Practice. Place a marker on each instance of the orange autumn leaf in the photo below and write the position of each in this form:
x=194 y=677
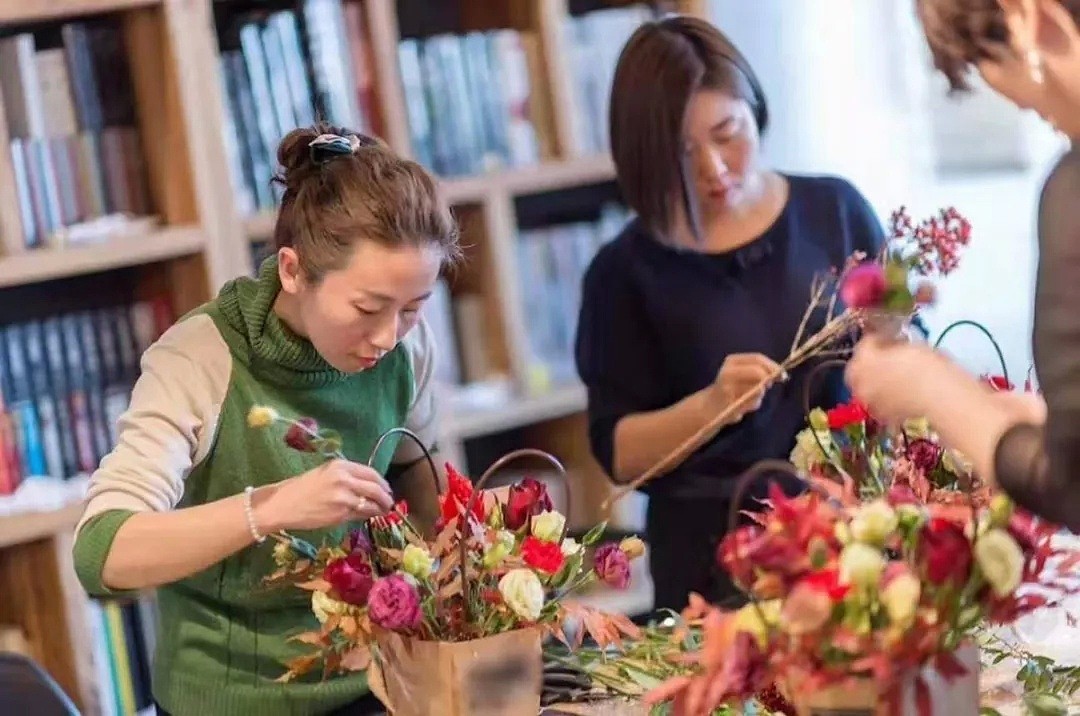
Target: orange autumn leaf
x=356 y=659
x=313 y=638
x=315 y=585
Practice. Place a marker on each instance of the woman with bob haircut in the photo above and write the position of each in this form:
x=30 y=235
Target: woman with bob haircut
x=701 y=294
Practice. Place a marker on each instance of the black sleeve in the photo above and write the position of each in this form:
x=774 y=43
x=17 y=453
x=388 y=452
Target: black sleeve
x=616 y=354
x=1036 y=466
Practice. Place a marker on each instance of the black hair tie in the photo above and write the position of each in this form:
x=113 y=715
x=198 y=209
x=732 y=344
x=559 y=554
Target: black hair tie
x=330 y=146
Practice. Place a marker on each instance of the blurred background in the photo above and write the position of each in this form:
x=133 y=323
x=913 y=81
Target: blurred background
x=138 y=142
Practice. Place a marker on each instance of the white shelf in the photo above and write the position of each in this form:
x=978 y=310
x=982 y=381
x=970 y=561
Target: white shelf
x=516 y=413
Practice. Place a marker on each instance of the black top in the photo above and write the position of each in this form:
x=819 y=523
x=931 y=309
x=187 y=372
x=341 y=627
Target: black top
x=1036 y=466
x=657 y=322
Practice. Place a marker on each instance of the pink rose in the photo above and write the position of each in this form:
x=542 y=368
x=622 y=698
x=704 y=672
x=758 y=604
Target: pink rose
x=864 y=286
x=351 y=577
x=394 y=603
x=612 y=566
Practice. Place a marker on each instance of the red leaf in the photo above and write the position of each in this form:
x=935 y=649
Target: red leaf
x=949 y=666
x=922 y=698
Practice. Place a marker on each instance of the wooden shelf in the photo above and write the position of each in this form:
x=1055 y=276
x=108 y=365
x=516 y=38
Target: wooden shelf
x=517 y=413
x=33 y=526
x=19 y=11
x=548 y=176
x=38 y=265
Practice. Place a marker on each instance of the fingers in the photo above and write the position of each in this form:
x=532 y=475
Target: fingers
x=745 y=371
x=365 y=472
x=360 y=486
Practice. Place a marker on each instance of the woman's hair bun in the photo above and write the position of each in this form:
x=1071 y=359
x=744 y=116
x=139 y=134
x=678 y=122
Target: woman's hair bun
x=303 y=151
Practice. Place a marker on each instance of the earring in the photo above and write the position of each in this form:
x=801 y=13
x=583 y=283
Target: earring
x=1035 y=66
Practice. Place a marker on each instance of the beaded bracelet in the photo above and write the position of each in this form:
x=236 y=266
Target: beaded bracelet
x=250 y=513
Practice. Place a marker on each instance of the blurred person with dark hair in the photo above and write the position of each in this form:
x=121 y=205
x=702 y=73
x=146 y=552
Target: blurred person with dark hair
x=1028 y=51
x=701 y=295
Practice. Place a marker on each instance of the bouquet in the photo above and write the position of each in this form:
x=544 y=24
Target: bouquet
x=879 y=292
x=848 y=449
x=845 y=591
x=498 y=565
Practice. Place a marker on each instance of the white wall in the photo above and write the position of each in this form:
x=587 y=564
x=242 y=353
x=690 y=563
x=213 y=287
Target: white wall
x=851 y=93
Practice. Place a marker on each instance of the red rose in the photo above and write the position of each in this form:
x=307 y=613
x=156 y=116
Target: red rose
x=864 y=286
x=852 y=413
x=945 y=552
x=542 y=556
x=351 y=578
x=923 y=454
x=301 y=433
x=526 y=499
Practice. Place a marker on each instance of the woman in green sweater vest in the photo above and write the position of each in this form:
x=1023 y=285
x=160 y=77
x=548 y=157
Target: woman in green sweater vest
x=329 y=329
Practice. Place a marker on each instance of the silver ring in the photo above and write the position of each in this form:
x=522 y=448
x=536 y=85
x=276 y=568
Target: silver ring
x=360 y=504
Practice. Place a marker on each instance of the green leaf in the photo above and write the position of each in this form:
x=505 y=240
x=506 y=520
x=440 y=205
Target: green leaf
x=1045 y=705
x=988 y=711
x=594 y=535
x=329 y=441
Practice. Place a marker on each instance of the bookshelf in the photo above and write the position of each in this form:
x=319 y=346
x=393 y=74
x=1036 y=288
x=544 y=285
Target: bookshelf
x=202 y=233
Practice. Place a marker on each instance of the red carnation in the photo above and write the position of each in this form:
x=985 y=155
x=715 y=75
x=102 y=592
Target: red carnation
x=924 y=454
x=864 y=286
x=351 y=578
x=458 y=495
x=300 y=435
x=945 y=552
x=525 y=499
x=998 y=382
x=852 y=413
x=828 y=582
x=542 y=556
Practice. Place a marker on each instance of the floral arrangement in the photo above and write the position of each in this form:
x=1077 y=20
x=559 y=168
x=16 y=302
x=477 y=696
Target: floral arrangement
x=930 y=247
x=867 y=290
x=496 y=565
x=658 y=653
x=845 y=590
x=907 y=464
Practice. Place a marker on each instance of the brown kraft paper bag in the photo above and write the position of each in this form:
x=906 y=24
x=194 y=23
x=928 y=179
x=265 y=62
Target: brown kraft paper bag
x=499 y=675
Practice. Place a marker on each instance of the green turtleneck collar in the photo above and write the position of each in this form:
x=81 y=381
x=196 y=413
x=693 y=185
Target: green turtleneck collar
x=276 y=351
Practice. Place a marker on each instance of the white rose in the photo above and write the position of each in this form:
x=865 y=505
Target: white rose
x=548 y=526
x=874 y=522
x=808 y=451
x=900 y=599
x=523 y=593
x=570 y=547
x=1000 y=561
x=861 y=565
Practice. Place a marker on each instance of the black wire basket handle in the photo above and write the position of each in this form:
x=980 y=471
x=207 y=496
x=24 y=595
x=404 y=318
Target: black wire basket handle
x=986 y=332
x=810 y=381
x=748 y=478
x=405 y=432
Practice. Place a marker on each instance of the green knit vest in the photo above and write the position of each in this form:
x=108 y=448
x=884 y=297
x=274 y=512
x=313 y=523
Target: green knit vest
x=223 y=634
